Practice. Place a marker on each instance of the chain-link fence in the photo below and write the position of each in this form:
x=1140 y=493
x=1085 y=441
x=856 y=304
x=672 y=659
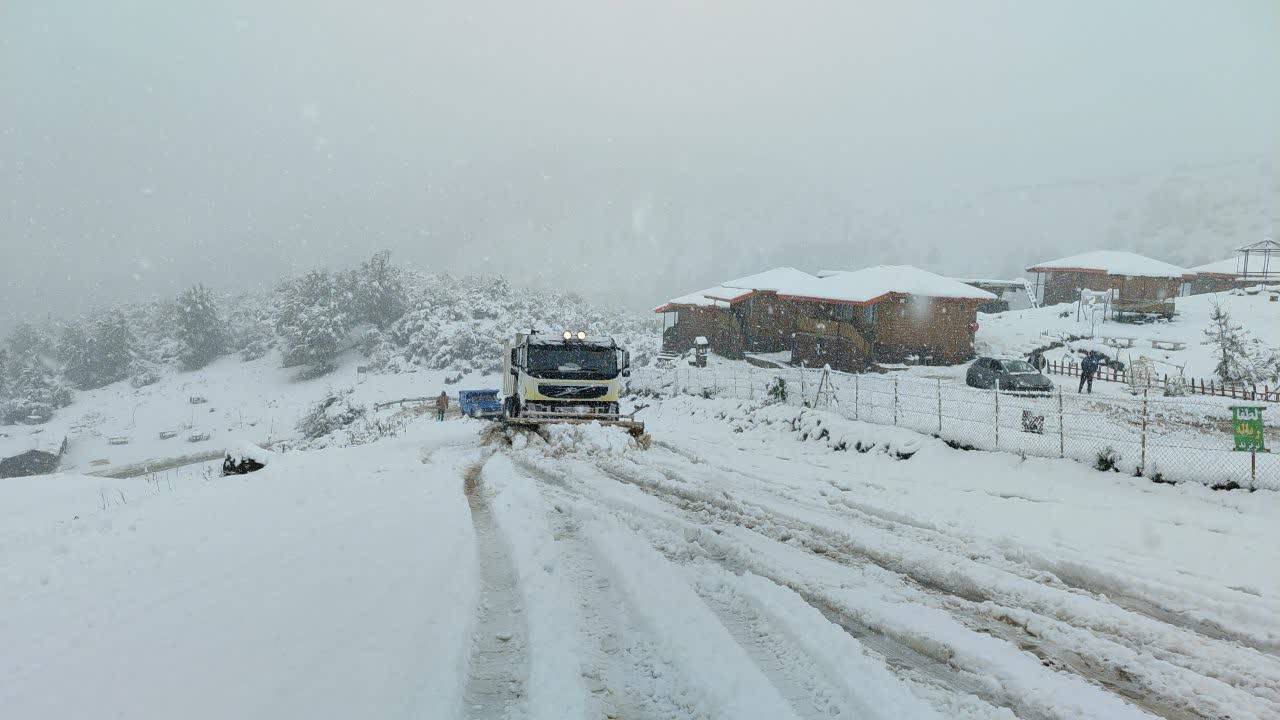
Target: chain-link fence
x=1173 y=439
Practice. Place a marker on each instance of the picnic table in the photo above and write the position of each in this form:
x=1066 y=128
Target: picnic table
x=1168 y=344
x=1119 y=342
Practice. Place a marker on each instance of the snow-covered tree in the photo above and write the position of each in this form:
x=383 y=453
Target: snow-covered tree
x=34 y=391
x=1228 y=340
x=312 y=320
x=100 y=355
x=199 y=327
x=26 y=339
x=5 y=381
x=378 y=291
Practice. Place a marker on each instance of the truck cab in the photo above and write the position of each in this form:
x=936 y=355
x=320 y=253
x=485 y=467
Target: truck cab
x=569 y=376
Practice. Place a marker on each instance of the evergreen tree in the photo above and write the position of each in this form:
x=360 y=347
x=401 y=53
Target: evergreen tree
x=76 y=355
x=26 y=339
x=312 y=320
x=199 y=329
x=34 y=392
x=98 y=356
x=1230 y=345
x=378 y=291
x=5 y=382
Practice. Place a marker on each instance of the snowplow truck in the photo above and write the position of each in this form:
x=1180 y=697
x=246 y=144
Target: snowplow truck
x=567 y=378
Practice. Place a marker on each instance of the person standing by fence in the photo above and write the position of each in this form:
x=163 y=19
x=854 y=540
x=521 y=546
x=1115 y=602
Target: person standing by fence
x=442 y=404
x=1087 y=369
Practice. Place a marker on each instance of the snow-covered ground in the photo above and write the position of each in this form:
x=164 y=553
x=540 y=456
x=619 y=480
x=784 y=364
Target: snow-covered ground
x=256 y=401
x=739 y=567
x=1018 y=332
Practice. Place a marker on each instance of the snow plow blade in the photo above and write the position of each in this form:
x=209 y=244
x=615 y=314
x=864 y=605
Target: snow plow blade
x=534 y=420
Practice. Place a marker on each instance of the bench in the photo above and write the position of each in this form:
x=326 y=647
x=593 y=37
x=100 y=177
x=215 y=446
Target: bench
x=1119 y=342
x=1168 y=344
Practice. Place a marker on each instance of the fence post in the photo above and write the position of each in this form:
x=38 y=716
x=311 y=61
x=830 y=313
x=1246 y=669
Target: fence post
x=939 y=407
x=895 y=401
x=1062 y=429
x=996 y=392
x=1142 y=468
x=855 y=396
x=751 y=384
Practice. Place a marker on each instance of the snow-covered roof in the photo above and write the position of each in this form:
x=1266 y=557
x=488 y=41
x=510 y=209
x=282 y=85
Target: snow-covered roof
x=776 y=280
x=1231 y=268
x=1015 y=283
x=871 y=284
x=17 y=439
x=1113 y=262
x=718 y=296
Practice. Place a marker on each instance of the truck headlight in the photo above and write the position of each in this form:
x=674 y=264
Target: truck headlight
x=582 y=335
x=567 y=335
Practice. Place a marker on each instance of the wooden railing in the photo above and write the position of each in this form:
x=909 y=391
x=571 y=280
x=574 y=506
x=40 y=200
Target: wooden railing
x=1253 y=393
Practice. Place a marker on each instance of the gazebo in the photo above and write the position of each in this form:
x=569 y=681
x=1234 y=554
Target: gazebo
x=1254 y=264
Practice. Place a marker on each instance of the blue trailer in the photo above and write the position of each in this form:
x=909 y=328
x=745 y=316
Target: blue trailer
x=479 y=403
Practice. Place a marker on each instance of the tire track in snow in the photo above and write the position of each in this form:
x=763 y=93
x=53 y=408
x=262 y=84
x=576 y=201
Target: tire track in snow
x=625 y=676
x=499 y=666
x=902 y=659
x=1245 y=669
x=1155 y=696
x=1124 y=597
x=811 y=696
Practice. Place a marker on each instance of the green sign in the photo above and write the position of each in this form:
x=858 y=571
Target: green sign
x=1246 y=424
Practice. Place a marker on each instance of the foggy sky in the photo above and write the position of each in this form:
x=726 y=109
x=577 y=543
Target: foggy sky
x=626 y=150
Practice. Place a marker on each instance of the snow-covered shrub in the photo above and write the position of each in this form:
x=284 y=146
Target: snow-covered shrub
x=1107 y=460
x=777 y=390
x=143 y=373
x=333 y=413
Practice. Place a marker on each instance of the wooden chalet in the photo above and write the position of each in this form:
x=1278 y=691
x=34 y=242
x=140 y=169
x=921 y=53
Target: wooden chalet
x=741 y=315
x=886 y=313
x=847 y=319
x=1142 y=285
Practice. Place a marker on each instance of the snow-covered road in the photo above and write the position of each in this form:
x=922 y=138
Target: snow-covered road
x=731 y=570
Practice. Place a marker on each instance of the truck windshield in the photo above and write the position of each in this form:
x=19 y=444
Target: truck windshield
x=569 y=361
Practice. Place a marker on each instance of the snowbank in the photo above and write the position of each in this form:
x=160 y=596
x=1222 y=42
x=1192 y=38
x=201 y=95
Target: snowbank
x=588 y=439
x=334 y=590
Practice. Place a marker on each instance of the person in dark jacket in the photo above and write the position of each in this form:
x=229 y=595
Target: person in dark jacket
x=442 y=404
x=1087 y=370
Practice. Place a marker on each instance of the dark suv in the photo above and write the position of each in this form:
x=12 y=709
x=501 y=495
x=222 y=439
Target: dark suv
x=1012 y=375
